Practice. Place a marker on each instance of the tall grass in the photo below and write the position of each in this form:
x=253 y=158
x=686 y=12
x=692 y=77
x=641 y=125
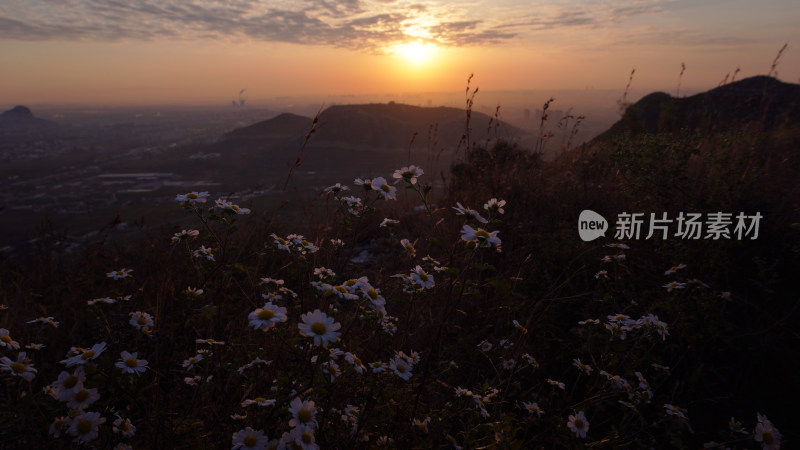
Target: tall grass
x=469 y=323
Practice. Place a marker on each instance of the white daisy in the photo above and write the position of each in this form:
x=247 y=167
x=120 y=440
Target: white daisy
x=129 y=364
x=185 y=235
x=119 y=274
x=533 y=408
x=82 y=398
x=22 y=367
x=141 y=320
x=85 y=426
x=303 y=413
x=388 y=222
x=585 y=368
x=673 y=410
x=336 y=188
x=192 y=197
x=578 y=424
x=267 y=316
x=495 y=205
x=766 y=433
x=400 y=367
x=260 y=401
x=249 y=438
x=462 y=211
x=67 y=384
x=408 y=174
x=384 y=189
x=80 y=356
x=481 y=237
x=204 y=252
x=422 y=278
x=6 y=341
x=228 y=206
x=124 y=427
x=320 y=327
x=191 y=362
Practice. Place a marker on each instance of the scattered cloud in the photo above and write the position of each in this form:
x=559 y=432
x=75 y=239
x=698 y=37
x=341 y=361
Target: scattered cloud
x=370 y=25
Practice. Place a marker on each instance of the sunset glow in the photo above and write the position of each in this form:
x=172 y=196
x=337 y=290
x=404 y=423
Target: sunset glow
x=207 y=50
x=415 y=53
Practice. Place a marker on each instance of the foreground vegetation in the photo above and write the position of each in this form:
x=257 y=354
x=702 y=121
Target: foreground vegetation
x=476 y=319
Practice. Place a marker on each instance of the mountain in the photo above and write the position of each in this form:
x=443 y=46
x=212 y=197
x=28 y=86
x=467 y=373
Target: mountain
x=285 y=126
x=378 y=127
x=21 y=118
x=763 y=101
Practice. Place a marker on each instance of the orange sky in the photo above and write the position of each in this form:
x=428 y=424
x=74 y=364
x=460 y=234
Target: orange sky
x=204 y=51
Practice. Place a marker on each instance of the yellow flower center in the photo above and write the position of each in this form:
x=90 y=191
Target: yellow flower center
x=192 y=196
x=307 y=438
x=304 y=415
x=373 y=294
x=7 y=339
x=767 y=437
x=578 y=423
x=259 y=399
x=318 y=328
x=357 y=361
x=84 y=426
x=423 y=276
x=483 y=234
x=141 y=321
x=421 y=426
x=250 y=440
x=87 y=354
x=70 y=381
x=341 y=289
x=132 y=363
x=266 y=314
x=386 y=188
x=401 y=368
x=18 y=367
x=82 y=395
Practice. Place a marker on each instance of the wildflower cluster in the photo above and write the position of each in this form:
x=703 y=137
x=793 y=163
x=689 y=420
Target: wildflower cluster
x=295 y=344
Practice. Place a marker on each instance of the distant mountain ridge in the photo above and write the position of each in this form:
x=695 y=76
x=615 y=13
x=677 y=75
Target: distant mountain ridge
x=378 y=127
x=760 y=100
x=22 y=118
x=286 y=125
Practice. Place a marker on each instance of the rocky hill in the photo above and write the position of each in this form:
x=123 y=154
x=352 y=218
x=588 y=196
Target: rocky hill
x=21 y=118
x=378 y=127
x=758 y=101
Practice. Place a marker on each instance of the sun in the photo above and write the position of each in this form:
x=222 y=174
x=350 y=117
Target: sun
x=416 y=53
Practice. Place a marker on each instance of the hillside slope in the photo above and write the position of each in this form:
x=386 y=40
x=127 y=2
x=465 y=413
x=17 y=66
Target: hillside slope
x=763 y=101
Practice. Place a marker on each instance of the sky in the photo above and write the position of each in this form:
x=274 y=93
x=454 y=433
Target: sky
x=138 y=52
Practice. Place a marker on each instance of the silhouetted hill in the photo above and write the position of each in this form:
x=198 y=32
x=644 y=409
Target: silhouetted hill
x=283 y=126
x=21 y=118
x=763 y=101
x=378 y=127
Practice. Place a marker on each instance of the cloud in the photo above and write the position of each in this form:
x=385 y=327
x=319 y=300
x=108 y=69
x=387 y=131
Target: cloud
x=370 y=25
x=635 y=10
x=355 y=24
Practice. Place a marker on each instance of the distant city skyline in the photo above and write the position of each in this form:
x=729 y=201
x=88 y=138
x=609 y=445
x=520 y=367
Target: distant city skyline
x=140 y=52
